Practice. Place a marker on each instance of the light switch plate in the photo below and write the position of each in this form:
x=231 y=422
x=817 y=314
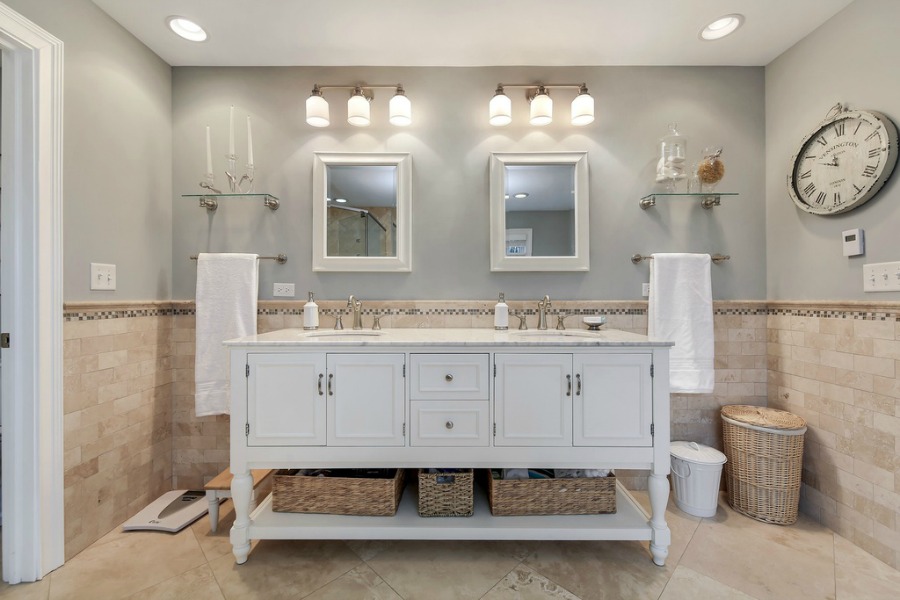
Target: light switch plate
x=881 y=277
x=103 y=276
x=645 y=290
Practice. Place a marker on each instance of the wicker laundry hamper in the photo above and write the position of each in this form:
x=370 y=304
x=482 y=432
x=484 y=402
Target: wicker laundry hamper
x=764 y=447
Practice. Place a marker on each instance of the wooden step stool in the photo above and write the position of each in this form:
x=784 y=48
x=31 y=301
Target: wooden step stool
x=219 y=487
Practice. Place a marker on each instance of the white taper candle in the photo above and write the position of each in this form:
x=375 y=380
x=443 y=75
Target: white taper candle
x=231 y=131
x=208 y=152
x=249 y=143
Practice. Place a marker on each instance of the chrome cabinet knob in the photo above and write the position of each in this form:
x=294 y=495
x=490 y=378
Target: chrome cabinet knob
x=449 y=425
x=448 y=377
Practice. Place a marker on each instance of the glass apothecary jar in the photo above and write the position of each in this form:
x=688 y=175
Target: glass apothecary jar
x=672 y=153
x=710 y=169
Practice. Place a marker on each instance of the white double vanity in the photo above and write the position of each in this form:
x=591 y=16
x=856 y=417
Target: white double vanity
x=450 y=398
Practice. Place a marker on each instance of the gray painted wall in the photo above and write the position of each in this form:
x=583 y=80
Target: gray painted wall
x=117 y=152
x=851 y=59
x=450 y=142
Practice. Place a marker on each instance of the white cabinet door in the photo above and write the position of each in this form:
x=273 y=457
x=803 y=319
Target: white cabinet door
x=613 y=400
x=366 y=399
x=285 y=400
x=533 y=400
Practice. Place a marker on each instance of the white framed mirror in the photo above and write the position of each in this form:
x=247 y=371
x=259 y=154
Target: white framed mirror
x=362 y=217
x=539 y=211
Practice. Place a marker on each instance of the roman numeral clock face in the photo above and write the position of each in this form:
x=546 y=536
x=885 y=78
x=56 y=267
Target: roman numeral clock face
x=843 y=163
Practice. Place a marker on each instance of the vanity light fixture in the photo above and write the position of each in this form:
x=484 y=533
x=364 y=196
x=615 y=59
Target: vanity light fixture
x=721 y=27
x=358 y=106
x=541 y=109
x=186 y=28
x=358 y=113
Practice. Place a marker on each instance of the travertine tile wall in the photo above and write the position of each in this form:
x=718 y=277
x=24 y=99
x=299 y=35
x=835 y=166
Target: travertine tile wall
x=838 y=368
x=201 y=444
x=117 y=416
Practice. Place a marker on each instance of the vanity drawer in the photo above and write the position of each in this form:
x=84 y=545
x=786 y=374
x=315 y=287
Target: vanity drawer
x=454 y=423
x=449 y=376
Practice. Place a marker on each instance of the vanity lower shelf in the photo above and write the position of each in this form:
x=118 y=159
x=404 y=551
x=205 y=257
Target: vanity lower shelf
x=630 y=522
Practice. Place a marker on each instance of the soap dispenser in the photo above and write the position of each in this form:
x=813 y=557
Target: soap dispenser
x=311 y=314
x=501 y=314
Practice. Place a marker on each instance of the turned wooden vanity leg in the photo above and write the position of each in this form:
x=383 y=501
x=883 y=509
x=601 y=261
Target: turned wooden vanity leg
x=241 y=493
x=660 y=536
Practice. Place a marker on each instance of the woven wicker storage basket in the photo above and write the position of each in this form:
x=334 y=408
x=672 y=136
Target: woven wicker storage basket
x=576 y=496
x=337 y=495
x=446 y=494
x=764 y=447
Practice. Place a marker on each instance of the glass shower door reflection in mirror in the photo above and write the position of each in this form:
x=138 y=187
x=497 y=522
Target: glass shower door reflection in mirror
x=361 y=211
x=362 y=204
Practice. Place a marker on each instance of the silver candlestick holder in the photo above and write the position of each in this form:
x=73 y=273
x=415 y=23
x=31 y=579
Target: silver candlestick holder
x=230 y=172
x=248 y=179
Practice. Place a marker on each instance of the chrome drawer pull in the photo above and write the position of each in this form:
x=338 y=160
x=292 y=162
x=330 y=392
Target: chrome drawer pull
x=330 y=387
x=448 y=377
x=449 y=425
x=578 y=384
x=320 y=384
x=569 y=388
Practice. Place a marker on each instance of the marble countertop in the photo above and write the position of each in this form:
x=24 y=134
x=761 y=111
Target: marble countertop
x=447 y=337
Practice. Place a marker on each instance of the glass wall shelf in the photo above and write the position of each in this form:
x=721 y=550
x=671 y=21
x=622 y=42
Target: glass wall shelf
x=707 y=199
x=210 y=201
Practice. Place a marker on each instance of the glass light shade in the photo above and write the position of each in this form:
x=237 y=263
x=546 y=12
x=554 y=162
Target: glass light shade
x=541 y=109
x=500 y=110
x=583 y=109
x=400 y=110
x=358 y=110
x=317 y=111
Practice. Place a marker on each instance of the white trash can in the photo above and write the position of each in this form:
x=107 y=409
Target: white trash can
x=696 y=473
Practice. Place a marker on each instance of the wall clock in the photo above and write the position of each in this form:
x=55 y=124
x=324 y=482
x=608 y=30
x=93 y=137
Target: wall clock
x=843 y=162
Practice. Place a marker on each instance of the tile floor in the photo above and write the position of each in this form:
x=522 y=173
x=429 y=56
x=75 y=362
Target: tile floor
x=725 y=557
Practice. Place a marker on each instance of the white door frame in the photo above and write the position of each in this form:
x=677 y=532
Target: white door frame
x=31 y=250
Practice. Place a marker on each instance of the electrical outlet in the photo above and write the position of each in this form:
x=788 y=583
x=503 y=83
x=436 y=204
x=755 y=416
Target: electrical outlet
x=103 y=276
x=283 y=289
x=881 y=277
x=645 y=290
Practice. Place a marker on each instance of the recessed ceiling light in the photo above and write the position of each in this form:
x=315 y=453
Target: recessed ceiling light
x=186 y=29
x=521 y=195
x=721 y=27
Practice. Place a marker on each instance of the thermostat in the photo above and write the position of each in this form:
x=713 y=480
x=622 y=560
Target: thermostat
x=854 y=242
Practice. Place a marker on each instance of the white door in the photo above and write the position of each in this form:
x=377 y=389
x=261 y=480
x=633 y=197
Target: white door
x=286 y=400
x=533 y=400
x=366 y=399
x=613 y=400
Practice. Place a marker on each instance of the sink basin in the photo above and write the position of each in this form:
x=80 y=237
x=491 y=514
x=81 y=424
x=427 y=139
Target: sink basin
x=341 y=333
x=555 y=333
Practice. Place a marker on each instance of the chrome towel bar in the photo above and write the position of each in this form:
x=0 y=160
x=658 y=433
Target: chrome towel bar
x=280 y=259
x=716 y=258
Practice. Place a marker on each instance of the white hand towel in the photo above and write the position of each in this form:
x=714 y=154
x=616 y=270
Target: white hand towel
x=680 y=310
x=227 y=291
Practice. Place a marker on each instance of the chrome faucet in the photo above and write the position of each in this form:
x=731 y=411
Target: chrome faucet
x=543 y=305
x=356 y=306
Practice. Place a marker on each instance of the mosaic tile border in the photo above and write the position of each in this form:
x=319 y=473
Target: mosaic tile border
x=869 y=312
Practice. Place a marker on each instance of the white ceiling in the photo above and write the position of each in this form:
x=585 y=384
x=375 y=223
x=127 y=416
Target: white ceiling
x=469 y=32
